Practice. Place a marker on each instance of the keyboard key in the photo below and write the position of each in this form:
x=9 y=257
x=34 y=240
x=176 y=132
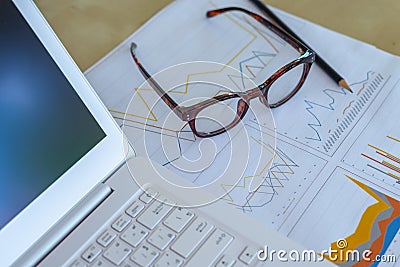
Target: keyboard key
x=178 y=219
x=169 y=259
x=192 y=237
x=106 y=238
x=148 y=196
x=129 y=263
x=121 y=222
x=240 y=264
x=117 y=252
x=154 y=214
x=135 y=208
x=226 y=261
x=248 y=255
x=103 y=263
x=78 y=263
x=211 y=249
x=144 y=256
x=161 y=238
x=134 y=234
x=91 y=253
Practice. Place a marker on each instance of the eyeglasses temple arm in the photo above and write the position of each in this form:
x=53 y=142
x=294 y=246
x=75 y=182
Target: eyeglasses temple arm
x=164 y=96
x=296 y=44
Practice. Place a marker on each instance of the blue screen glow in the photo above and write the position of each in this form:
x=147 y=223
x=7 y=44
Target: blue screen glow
x=44 y=126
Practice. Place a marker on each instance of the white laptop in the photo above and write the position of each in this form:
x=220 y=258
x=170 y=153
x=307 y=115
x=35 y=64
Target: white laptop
x=67 y=196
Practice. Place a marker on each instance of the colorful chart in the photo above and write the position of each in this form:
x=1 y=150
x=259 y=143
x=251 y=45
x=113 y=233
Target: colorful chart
x=346 y=209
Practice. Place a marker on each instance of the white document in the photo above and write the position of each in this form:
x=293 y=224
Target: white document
x=336 y=169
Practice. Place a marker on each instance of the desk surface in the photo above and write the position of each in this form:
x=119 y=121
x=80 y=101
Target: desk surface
x=91 y=28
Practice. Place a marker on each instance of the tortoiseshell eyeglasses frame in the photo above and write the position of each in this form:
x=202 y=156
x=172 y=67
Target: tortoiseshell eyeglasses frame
x=189 y=113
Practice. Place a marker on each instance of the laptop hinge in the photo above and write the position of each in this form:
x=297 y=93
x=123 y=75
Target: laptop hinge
x=65 y=226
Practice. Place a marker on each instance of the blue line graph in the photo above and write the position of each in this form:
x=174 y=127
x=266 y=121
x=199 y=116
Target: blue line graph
x=330 y=93
x=178 y=138
x=259 y=57
x=182 y=149
x=311 y=105
x=236 y=80
x=279 y=172
x=369 y=74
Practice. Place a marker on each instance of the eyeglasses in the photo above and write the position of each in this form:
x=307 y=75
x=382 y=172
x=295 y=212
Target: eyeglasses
x=222 y=112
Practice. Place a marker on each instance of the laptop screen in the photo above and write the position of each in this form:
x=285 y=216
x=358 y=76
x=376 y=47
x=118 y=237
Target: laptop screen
x=45 y=128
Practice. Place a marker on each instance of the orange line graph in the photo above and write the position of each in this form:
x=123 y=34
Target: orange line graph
x=346 y=108
x=362 y=88
x=250 y=67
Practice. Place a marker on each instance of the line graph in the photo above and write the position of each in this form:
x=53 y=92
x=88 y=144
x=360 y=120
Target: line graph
x=310 y=106
x=258 y=62
x=372 y=78
x=273 y=176
x=284 y=185
x=329 y=114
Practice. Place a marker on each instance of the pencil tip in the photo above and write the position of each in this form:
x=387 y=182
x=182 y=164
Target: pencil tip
x=344 y=84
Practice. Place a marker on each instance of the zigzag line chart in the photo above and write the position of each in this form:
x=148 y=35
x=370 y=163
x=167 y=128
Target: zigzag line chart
x=280 y=171
x=346 y=115
x=261 y=61
x=284 y=184
x=310 y=105
x=329 y=114
x=265 y=172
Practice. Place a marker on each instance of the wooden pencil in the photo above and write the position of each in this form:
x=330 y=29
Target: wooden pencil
x=319 y=60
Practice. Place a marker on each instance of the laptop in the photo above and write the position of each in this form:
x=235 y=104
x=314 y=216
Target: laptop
x=67 y=176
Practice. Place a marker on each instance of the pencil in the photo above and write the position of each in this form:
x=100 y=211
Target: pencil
x=320 y=61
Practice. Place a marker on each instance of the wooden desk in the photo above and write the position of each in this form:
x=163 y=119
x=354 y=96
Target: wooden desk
x=91 y=28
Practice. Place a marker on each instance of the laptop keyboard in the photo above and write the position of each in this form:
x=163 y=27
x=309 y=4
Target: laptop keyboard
x=152 y=233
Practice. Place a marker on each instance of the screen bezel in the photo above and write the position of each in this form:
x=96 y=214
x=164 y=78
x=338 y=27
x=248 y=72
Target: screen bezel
x=50 y=206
